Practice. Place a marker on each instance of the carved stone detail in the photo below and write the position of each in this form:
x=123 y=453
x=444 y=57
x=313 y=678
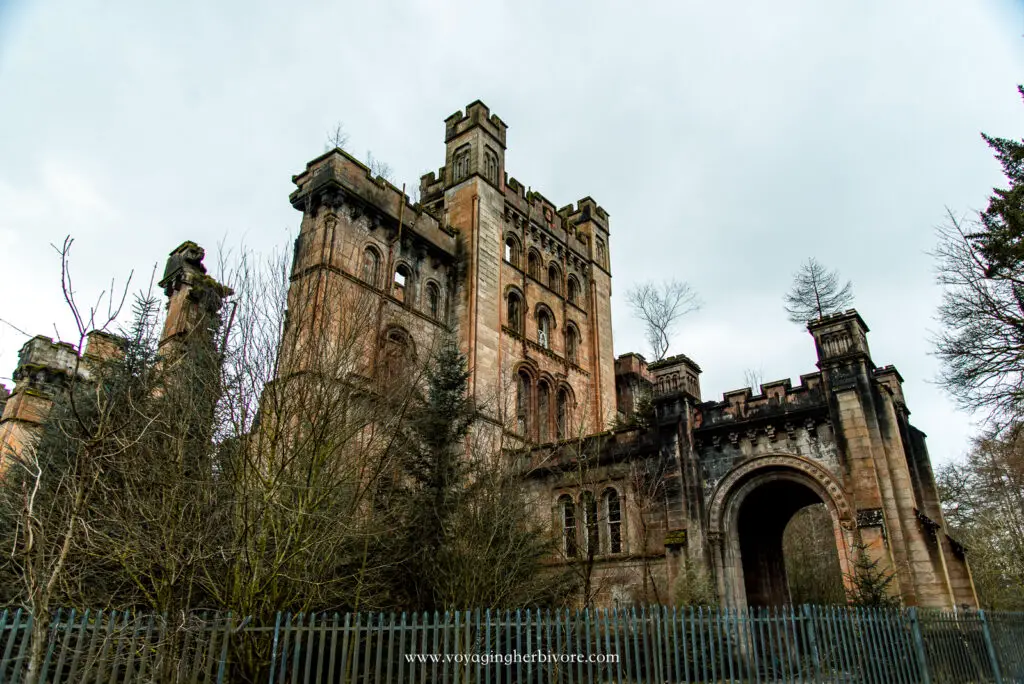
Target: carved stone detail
x=836 y=344
x=819 y=475
x=870 y=517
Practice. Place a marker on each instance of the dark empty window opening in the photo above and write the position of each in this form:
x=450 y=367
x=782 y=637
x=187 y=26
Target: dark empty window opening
x=522 y=403
x=589 y=505
x=515 y=312
x=562 y=414
x=533 y=264
x=433 y=301
x=543 y=412
x=371 y=266
x=573 y=291
x=555 y=278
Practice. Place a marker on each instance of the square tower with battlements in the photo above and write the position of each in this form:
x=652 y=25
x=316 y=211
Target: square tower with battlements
x=524 y=287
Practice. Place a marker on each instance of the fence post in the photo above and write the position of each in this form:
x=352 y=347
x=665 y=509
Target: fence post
x=816 y=663
x=990 y=647
x=922 y=657
x=273 y=649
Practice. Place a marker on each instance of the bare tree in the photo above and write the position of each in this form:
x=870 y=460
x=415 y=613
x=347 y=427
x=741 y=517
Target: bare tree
x=379 y=168
x=660 y=306
x=812 y=562
x=43 y=500
x=753 y=378
x=816 y=293
x=983 y=503
x=981 y=344
x=337 y=137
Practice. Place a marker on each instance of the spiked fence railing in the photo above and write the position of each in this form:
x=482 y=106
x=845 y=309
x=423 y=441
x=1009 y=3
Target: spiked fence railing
x=655 y=644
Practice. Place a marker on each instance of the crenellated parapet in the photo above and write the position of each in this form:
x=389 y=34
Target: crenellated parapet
x=776 y=399
x=336 y=179
x=585 y=210
x=477 y=114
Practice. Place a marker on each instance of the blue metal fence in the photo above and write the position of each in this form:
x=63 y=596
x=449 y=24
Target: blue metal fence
x=656 y=644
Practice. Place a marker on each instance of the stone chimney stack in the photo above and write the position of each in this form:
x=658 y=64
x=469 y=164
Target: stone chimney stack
x=194 y=299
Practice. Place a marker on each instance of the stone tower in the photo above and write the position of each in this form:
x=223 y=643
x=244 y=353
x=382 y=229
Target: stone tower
x=524 y=287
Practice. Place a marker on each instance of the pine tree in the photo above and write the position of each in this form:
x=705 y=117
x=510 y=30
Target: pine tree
x=1001 y=240
x=869 y=584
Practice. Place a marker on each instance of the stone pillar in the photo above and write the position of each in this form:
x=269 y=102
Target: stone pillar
x=45 y=368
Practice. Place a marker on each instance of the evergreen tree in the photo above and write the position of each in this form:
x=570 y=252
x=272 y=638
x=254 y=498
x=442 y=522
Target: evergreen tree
x=437 y=473
x=981 y=266
x=1001 y=240
x=465 y=535
x=869 y=583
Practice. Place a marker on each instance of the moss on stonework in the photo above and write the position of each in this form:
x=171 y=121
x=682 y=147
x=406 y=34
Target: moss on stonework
x=675 y=538
x=207 y=282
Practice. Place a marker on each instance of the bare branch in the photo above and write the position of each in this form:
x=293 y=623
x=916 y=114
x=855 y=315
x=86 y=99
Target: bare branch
x=660 y=306
x=337 y=137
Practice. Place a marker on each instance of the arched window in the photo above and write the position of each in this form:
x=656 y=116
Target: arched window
x=491 y=166
x=514 y=312
x=555 y=278
x=543 y=412
x=568 y=513
x=523 y=402
x=562 y=414
x=371 y=266
x=533 y=264
x=589 y=506
x=600 y=253
x=614 y=512
x=403 y=282
x=573 y=290
x=460 y=164
x=396 y=355
x=544 y=329
x=513 y=254
x=571 y=343
x=433 y=301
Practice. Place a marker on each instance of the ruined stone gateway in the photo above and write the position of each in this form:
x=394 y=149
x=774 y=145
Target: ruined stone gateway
x=526 y=289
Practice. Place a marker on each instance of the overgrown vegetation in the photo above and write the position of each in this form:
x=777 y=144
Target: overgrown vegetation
x=260 y=464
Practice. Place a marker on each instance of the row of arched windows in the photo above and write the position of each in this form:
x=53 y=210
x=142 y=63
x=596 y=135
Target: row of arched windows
x=402 y=285
x=586 y=525
x=542 y=412
x=535 y=268
x=516 y=320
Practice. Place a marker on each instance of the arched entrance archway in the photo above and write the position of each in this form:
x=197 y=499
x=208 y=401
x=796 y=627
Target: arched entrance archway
x=749 y=512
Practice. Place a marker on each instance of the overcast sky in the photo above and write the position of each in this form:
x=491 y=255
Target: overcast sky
x=728 y=141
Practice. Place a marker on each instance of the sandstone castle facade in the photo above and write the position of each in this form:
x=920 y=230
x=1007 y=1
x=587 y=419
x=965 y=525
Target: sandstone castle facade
x=525 y=288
